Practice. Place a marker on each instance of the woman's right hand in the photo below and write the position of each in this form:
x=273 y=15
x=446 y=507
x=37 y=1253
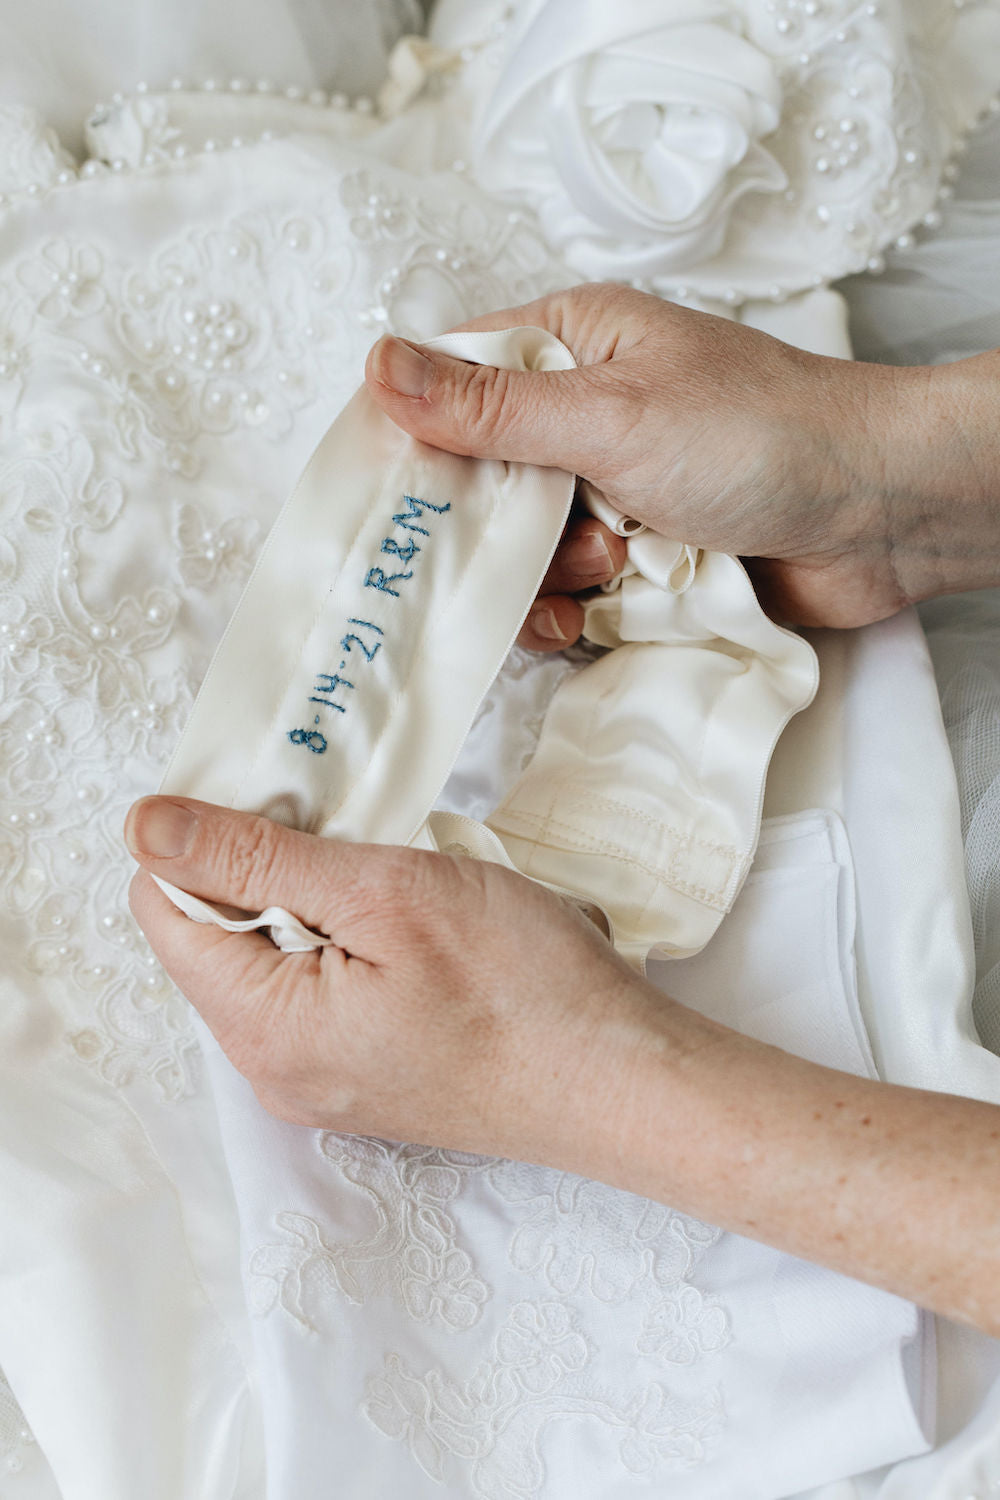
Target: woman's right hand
x=850 y=489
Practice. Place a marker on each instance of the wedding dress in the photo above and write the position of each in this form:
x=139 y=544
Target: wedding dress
x=196 y=1299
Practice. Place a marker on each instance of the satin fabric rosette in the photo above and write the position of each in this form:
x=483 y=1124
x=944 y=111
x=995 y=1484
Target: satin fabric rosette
x=634 y=129
x=731 y=153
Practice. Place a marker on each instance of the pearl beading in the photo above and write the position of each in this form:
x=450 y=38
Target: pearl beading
x=362 y=107
x=841 y=131
x=839 y=145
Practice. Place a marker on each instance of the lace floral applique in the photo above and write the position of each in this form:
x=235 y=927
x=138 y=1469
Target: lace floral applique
x=206 y=552
x=492 y=1427
x=582 y=1235
x=684 y=1327
x=413 y=1252
x=431 y=255
x=63 y=279
x=622 y=1250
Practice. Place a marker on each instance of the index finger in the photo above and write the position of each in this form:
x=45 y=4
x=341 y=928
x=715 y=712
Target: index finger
x=242 y=860
x=593 y=320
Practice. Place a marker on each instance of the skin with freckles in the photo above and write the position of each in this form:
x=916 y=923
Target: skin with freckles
x=464 y=1006
x=849 y=489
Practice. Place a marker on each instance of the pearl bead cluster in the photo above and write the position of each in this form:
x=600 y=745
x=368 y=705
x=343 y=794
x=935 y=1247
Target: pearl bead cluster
x=835 y=134
x=838 y=146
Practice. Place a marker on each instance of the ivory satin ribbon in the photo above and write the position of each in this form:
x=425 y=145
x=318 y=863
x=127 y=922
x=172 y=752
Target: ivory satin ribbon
x=385 y=600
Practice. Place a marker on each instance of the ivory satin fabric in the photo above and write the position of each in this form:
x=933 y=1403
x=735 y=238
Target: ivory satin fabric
x=194 y=1299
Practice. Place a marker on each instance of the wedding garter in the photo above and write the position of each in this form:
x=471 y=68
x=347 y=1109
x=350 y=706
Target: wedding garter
x=385 y=600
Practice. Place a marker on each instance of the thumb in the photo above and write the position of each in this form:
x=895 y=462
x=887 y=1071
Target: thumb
x=552 y=418
x=239 y=859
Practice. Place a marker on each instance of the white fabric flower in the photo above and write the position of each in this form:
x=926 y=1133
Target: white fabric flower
x=635 y=128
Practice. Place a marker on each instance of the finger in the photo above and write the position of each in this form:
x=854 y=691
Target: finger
x=250 y=862
x=251 y=996
x=594 y=320
x=202 y=960
x=588 y=555
x=553 y=623
x=553 y=312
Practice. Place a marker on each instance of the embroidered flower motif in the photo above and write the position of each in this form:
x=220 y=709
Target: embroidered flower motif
x=412 y=1252
x=635 y=152
x=580 y=1234
x=204 y=552
x=540 y=1343
x=64 y=280
x=24 y=633
x=216 y=345
x=682 y=1328
x=667 y=1432
x=377 y=211
x=538 y=1372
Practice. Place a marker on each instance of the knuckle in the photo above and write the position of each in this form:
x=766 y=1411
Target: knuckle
x=407 y=893
x=400 y=884
x=487 y=402
x=250 y=852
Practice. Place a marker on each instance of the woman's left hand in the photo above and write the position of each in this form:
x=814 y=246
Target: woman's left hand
x=466 y=1007
x=463 y=1005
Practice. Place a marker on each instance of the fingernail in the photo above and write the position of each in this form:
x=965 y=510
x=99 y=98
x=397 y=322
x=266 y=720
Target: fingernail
x=544 y=623
x=402 y=368
x=160 y=828
x=589 y=557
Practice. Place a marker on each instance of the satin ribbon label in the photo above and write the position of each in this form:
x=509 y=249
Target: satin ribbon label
x=387 y=595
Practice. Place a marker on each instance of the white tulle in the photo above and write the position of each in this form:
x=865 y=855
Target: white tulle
x=939 y=296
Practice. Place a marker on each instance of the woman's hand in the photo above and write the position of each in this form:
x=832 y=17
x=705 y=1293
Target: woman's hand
x=852 y=489
x=464 y=1006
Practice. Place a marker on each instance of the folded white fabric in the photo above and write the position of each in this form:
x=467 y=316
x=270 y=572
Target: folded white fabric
x=403 y=575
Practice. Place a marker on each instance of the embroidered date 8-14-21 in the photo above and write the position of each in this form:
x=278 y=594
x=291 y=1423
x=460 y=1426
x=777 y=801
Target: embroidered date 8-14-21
x=363 y=640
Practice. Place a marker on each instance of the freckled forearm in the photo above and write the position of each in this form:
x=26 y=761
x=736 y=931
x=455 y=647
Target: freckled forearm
x=897 y=1187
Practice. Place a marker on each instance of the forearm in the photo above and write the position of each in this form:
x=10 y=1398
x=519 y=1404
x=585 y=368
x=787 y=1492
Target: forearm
x=895 y=1186
x=940 y=466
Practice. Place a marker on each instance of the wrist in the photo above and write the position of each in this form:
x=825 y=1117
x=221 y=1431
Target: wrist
x=935 y=474
x=635 y=1086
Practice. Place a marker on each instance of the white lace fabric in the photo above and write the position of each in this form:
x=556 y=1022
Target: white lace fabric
x=176 y=332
